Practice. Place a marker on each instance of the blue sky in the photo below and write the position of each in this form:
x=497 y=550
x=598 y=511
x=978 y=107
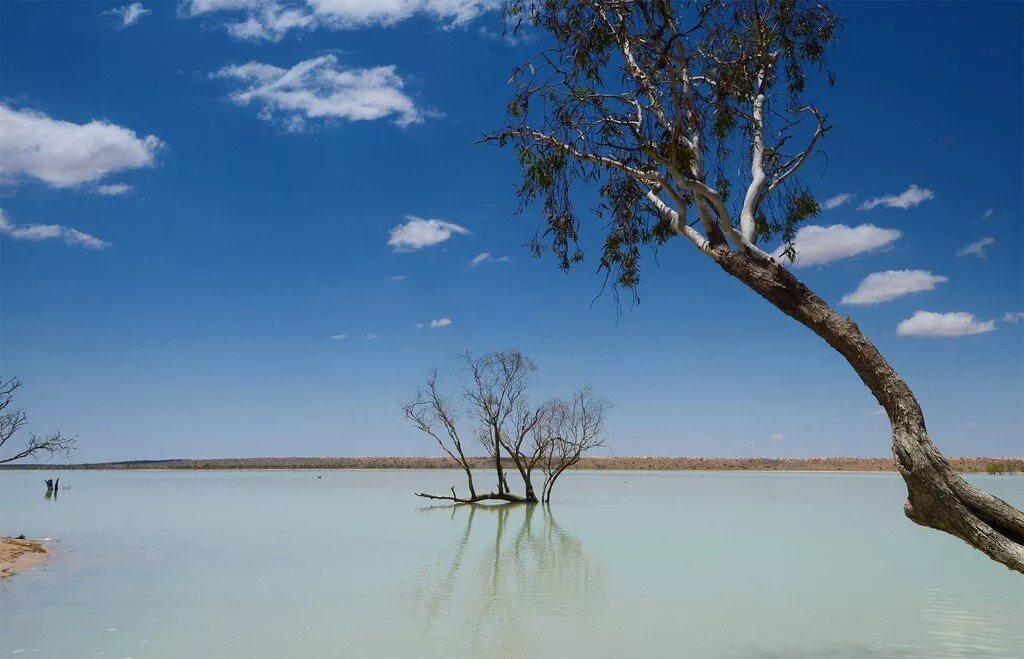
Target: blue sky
x=177 y=295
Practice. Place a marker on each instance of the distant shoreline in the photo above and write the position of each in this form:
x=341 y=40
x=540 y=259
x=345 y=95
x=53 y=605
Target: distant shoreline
x=966 y=465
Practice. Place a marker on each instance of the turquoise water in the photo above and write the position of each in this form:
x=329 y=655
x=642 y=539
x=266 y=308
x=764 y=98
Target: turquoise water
x=283 y=564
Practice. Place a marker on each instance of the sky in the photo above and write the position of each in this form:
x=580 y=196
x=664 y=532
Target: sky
x=236 y=229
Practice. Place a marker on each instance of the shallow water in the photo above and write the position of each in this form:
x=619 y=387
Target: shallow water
x=283 y=564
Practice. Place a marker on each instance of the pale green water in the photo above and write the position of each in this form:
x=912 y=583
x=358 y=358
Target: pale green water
x=281 y=564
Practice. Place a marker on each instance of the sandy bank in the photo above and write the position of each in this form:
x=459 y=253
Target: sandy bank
x=18 y=555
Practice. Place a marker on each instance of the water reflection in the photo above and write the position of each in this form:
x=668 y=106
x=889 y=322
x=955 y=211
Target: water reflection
x=512 y=569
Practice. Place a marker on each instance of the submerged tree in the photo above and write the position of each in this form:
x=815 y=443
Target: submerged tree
x=552 y=436
x=566 y=430
x=14 y=419
x=671 y=106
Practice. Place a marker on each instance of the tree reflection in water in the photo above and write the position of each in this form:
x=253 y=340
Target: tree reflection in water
x=506 y=585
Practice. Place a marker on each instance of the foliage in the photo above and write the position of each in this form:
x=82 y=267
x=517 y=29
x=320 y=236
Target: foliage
x=1005 y=467
x=685 y=100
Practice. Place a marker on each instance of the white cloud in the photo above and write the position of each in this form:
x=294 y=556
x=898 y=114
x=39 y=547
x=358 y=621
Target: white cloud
x=954 y=323
x=272 y=19
x=39 y=232
x=339 y=337
x=1013 y=316
x=129 y=14
x=417 y=233
x=777 y=437
x=441 y=322
x=64 y=154
x=912 y=196
x=891 y=284
x=988 y=213
x=398 y=278
x=270 y=22
x=486 y=256
x=878 y=411
x=817 y=244
x=977 y=248
x=838 y=200
x=320 y=89
x=370 y=336
x=113 y=190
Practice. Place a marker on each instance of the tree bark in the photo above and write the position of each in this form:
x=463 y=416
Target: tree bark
x=937 y=497
x=490 y=496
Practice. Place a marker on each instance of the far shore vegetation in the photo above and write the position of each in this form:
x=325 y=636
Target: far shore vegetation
x=972 y=465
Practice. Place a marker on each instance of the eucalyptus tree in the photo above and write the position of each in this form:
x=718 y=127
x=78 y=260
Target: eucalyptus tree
x=692 y=120
x=12 y=420
x=551 y=436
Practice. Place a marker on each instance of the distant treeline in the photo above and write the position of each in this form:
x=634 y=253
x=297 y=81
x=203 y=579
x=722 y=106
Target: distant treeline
x=1005 y=467
x=969 y=465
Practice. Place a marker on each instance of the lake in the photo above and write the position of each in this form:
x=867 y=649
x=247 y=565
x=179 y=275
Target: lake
x=624 y=564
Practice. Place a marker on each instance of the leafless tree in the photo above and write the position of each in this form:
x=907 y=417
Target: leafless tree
x=432 y=414
x=568 y=429
x=14 y=419
x=508 y=425
x=670 y=105
x=497 y=395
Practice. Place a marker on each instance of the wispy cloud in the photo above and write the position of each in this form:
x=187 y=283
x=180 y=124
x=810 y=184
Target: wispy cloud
x=271 y=20
x=62 y=154
x=817 y=244
x=320 y=89
x=483 y=257
x=113 y=190
x=1013 y=316
x=878 y=411
x=912 y=196
x=417 y=233
x=777 y=437
x=838 y=200
x=339 y=337
x=397 y=278
x=40 y=232
x=440 y=322
x=977 y=248
x=891 y=284
x=128 y=15
x=988 y=213
x=370 y=336
x=943 y=325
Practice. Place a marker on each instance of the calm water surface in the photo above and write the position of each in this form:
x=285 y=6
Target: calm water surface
x=283 y=564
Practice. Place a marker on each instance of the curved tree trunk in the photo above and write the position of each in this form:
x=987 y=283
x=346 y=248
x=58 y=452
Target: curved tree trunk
x=937 y=496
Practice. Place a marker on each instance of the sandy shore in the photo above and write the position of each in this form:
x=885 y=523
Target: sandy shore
x=18 y=555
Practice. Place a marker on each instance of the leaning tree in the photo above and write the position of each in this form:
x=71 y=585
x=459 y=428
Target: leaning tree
x=550 y=437
x=14 y=419
x=691 y=119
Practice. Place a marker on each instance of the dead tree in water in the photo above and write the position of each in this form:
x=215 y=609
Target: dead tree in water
x=12 y=420
x=559 y=432
x=568 y=429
